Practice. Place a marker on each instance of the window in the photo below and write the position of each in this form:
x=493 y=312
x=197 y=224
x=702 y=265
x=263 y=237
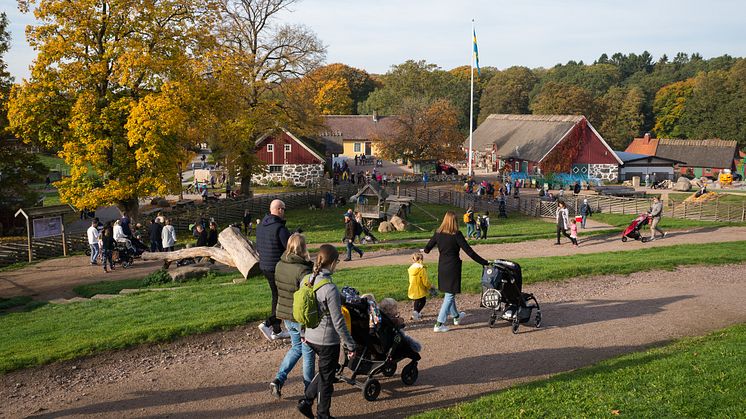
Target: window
x=517 y=166
x=270 y=148
x=288 y=147
x=357 y=148
x=275 y=169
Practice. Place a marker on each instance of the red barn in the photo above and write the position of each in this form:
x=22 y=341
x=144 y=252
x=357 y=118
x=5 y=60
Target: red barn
x=288 y=159
x=535 y=144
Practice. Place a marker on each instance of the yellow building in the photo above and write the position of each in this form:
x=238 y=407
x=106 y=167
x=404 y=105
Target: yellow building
x=351 y=135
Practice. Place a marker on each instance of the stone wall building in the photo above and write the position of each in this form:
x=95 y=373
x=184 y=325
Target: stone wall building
x=288 y=159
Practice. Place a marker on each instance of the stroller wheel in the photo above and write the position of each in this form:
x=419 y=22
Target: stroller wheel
x=624 y=239
x=389 y=369
x=409 y=374
x=537 y=319
x=516 y=323
x=644 y=239
x=371 y=389
x=491 y=321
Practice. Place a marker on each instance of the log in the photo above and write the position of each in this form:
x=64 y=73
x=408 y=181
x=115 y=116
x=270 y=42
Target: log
x=215 y=253
x=240 y=250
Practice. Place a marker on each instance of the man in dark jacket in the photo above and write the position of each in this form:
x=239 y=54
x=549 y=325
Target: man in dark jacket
x=271 y=241
x=156 y=243
x=351 y=230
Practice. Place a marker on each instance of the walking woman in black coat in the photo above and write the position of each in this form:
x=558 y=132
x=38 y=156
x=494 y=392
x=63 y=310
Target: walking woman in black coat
x=450 y=242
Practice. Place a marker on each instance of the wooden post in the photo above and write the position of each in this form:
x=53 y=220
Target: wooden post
x=64 y=241
x=700 y=211
x=28 y=235
x=717 y=214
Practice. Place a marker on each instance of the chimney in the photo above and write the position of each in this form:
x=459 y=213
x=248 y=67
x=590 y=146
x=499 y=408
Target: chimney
x=375 y=116
x=647 y=138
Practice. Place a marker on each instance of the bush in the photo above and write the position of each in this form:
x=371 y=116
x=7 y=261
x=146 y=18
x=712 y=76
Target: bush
x=158 y=277
x=287 y=183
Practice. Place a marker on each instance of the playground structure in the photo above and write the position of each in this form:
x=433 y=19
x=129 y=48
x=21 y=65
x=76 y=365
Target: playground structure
x=375 y=204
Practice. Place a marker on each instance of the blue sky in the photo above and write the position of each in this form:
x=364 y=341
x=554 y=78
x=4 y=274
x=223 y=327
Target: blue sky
x=374 y=35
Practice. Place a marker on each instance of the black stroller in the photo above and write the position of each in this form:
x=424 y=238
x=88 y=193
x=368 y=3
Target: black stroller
x=502 y=293
x=381 y=351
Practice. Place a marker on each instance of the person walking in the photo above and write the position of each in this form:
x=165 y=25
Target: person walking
x=107 y=245
x=655 y=212
x=93 y=241
x=471 y=223
x=271 y=241
x=450 y=242
x=351 y=230
x=563 y=222
x=419 y=285
x=168 y=237
x=293 y=266
x=585 y=212
x=325 y=339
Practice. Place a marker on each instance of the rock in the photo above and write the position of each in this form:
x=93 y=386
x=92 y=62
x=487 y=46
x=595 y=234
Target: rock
x=683 y=185
x=386 y=227
x=185 y=273
x=398 y=223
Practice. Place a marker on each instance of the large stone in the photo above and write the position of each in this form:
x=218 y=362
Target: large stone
x=398 y=223
x=185 y=273
x=682 y=185
x=386 y=227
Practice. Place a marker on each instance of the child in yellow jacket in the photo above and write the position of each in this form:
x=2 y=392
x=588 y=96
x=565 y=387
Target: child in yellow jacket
x=419 y=285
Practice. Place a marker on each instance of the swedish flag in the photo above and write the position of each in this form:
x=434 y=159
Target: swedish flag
x=476 y=52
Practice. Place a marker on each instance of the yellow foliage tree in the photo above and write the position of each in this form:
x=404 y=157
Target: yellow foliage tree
x=333 y=98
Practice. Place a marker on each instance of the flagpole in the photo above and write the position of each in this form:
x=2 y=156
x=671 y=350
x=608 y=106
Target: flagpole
x=471 y=102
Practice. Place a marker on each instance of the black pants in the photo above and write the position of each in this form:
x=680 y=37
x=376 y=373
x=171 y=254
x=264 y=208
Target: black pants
x=419 y=304
x=272 y=320
x=561 y=230
x=322 y=385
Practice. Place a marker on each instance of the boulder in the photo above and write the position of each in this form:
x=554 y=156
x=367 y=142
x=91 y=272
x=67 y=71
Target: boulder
x=160 y=201
x=398 y=223
x=682 y=185
x=185 y=273
x=386 y=227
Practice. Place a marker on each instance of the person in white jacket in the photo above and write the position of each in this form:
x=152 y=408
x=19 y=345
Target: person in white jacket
x=120 y=237
x=563 y=221
x=168 y=237
x=93 y=241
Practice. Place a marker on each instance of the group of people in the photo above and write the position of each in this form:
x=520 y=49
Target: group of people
x=286 y=264
x=476 y=225
x=103 y=238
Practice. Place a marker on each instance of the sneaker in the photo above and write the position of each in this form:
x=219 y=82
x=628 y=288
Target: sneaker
x=275 y=388
x=557 y=244
x=415 y=316
x=266 y=331
x=282 y=335
x=346 y=260
x=664 y=235
x=305 y=408
x=457 y=320
x=361 y=254
x=441 y=328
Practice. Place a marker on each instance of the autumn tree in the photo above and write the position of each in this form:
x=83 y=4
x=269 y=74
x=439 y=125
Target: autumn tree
x=424 y=131
x=258 y=66
x=107 y=90
x=339 y=88
x=564 y=99
x=669 y=105
x=508 y=92
x=622 y=117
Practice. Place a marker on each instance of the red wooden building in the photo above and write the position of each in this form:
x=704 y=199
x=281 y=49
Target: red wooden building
x=535 y=144
x=288 y=158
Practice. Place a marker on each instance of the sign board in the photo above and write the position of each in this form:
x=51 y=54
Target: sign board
x=47 y=227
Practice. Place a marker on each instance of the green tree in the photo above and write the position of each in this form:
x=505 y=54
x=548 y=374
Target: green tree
x=507 y=92
x=669 y=107
x=18 y=168
x=622 y=117
x=564 y=99
x=102 y=68
x=6 y=81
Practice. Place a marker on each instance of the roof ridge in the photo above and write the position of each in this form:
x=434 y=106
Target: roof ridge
x=536 y=117
x=710 y=142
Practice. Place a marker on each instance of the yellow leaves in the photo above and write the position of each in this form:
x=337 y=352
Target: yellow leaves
x=333 y=98
x=615 y=412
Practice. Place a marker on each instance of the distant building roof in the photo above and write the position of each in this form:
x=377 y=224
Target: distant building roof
x=699 y=153
x=627 y=157
x=528 y=137
x=645 y=145
x=338 y=128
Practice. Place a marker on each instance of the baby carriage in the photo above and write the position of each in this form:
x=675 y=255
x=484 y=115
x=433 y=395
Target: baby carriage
x=382 y=349
x=633 y=230
x=502 y=293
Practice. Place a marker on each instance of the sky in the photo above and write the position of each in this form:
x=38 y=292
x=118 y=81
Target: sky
x=374 y=35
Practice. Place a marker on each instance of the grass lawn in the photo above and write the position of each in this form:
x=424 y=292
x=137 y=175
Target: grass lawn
x=693 y=377
x=35 y=337
x=52 y=162
x=621 y=221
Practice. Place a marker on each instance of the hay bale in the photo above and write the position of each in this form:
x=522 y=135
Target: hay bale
x=386 y=227
x=398 y=223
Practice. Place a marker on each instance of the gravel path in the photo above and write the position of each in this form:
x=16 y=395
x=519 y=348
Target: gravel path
x=225 y=374
x=56 y=278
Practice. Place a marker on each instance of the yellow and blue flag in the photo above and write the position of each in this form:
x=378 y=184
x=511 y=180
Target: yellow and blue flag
x=476 y=51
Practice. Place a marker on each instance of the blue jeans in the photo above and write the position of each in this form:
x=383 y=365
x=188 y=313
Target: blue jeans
x=94 y=252
x=297 y=349
x=351 y=247
x=582 y=223
x=470 y=229
x=448 y=307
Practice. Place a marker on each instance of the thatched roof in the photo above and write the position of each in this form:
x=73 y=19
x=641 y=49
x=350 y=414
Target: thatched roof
x=699 y=153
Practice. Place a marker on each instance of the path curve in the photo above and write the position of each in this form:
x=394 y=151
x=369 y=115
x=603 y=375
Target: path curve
x=226 y=374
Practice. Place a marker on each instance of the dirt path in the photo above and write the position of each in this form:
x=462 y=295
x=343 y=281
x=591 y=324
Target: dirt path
x=55 y=278
x=226 y=374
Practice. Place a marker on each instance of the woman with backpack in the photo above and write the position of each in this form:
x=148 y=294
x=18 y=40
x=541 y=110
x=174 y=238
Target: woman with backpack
x=471 y=223
x=450 y=242
x=324 y=339
x=293 y=266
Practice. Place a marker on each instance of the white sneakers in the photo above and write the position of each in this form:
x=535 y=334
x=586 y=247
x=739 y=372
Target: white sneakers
x=457 y=320
x=415 y=316
x=441 y=328
x=270 y=335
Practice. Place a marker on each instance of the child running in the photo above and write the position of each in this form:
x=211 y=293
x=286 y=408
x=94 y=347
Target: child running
x=419 y=285
x=574 y=232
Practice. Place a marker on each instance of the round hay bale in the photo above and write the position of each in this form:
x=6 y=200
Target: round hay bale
x=398 y=223
x=386 y=227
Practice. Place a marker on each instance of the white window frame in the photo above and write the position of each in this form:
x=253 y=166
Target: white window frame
x=517 y=166
x=270 y=148
x=357 y=147
x=277 y=167
x=288 y=148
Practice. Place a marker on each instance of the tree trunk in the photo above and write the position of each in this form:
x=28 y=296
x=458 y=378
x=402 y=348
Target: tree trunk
x=242 y=252
x=132 y=208
x=246 y=171
x=216 y=253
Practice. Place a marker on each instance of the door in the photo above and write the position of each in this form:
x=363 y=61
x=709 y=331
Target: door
x=368 y=148
x=697 y=172
x=524 y=167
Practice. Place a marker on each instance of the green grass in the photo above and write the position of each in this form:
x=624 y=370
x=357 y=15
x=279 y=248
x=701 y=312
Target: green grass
x=114 y=287
x=35 y=337
x=693 y=377
x=621 y=221
x=13 y=302
x=53 y=163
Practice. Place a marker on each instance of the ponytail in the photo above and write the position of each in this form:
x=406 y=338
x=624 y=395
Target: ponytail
x=326 y=257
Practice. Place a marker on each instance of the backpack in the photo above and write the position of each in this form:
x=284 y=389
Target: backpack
x=468 y=217
x=305 y=306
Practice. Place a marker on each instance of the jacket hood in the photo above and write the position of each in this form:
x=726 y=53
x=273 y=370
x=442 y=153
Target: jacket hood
x=293 y=258
x=272 y=219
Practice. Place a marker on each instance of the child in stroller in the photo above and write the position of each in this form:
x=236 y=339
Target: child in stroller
x=502 y=285
x=383 y=347
x=633 y=230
